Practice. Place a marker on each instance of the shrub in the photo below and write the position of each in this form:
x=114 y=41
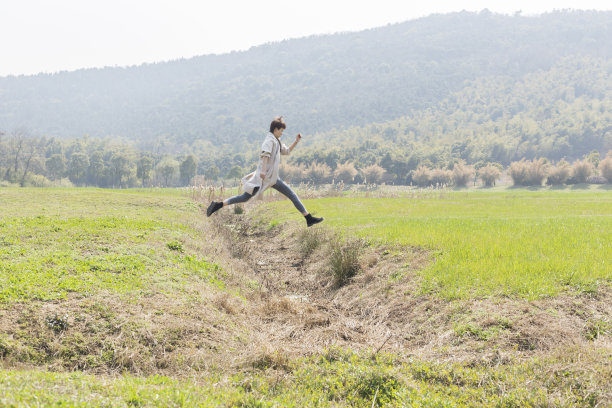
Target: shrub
x=489 y=174
x=373 y=174
x=462 y=174
x=581 y=170
x=441 y=177
x=528 y=173
x=344 y=261
x=37 y=180
x=65 y=182
x=421 y=176
x=318 y=173
x=538 y=171
x=290 y=173
x=605 y=167
x=345 y=172
x=558 y=174
x=311 y=239
x=518 y=172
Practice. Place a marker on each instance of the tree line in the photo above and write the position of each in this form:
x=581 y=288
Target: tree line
x=26 y=160
x=39 y=161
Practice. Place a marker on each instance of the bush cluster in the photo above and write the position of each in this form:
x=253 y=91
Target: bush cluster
x=321 y=173
x=582 y=170
x=528 y=173
x=605 y=168
x=489 y=174
x=558 y=174
x=534 y=172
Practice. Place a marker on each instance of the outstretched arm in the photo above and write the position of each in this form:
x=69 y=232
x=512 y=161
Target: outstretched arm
x=297 y=139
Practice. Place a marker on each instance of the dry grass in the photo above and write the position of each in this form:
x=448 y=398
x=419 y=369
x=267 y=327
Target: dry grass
x=528 y=173
x=489 y=175
x=582 y=170
x=298 y=308
x=605 y=167
x=558 y=175
x=107 y=333
x=344 y=260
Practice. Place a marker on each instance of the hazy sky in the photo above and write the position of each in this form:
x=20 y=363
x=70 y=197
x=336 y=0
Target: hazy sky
x=55 y=35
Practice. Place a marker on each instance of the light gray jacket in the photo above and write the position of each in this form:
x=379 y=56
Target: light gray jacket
x=271 y=148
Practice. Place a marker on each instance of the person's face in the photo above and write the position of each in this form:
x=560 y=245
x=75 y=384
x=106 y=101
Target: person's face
x=278 y=132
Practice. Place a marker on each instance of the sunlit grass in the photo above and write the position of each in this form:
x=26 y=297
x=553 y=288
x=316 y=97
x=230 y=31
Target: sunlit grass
x=57 y=241
x=517 y=243
x=333 y=378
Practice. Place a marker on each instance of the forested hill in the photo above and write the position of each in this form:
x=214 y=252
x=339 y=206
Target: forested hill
x=562 y=112
x=209 y=103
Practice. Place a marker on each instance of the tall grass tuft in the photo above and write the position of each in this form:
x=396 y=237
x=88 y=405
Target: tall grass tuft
x=605 y=167
x=344 y=260
x=528 y=173
x=489 y=174
x=582 y=170
x=462 y=174
x=345 y=172
x=422 y=176
x=310 y=239
x=558 y=174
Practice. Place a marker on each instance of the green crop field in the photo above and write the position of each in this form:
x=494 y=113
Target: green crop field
x=516 y=243
x=124 y=298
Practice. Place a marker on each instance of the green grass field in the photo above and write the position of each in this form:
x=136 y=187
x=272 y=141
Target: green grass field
x=55 y=242
x=515 y=243
x=98 y=254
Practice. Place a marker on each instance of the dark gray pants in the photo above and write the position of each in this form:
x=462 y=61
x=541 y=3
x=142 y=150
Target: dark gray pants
x=279 y=186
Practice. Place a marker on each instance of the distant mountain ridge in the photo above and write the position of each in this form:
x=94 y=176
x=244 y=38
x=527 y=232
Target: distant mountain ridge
x=210 y=104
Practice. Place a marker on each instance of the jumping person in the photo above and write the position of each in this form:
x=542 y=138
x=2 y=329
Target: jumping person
x=266 y=174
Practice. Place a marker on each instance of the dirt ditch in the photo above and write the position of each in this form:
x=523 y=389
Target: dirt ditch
x=281 y=301
x=294 y=306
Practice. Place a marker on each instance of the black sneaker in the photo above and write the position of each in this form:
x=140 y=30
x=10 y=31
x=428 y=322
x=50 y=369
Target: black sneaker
x=310 y=220
x=214 y=206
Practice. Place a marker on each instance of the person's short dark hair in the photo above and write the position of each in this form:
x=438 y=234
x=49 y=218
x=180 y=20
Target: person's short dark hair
x=277 y=123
